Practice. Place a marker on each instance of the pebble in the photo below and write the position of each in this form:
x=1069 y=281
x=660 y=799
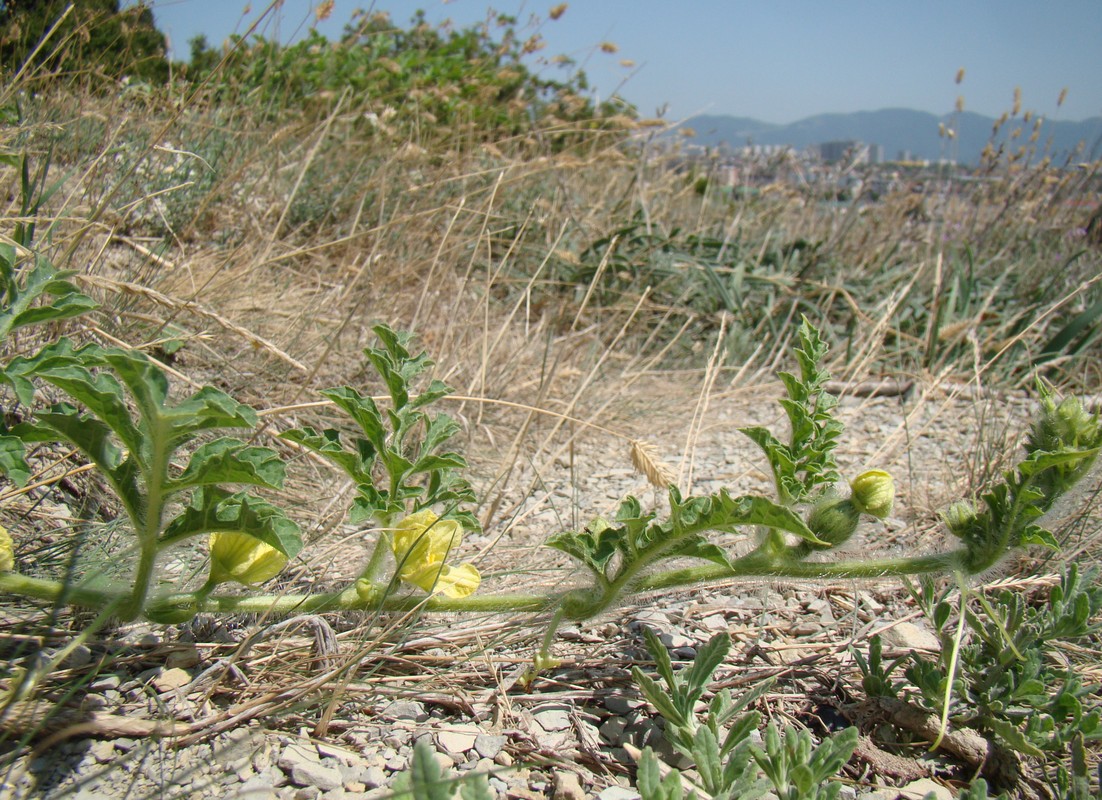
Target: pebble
x=457 y=739
x=923 y=786
x=618 y=793
x=255 y=789
x=552 y=716
x=567 y=787
x=175 y=678
x=489 y=745
x=909 y=636
x=406 y=710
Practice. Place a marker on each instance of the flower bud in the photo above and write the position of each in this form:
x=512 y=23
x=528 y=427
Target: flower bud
x=833 y=521
x=7 y=551
x=873 y=493
x=1063 y=425
x=960 y=518
x=243 y=558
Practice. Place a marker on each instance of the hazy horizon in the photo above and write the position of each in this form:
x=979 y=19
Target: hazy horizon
x=775 y=62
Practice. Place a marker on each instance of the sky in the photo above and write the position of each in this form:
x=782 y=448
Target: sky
x=774 y=60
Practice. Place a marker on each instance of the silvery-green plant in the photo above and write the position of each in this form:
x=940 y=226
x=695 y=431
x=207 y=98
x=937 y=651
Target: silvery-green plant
x=718 y=741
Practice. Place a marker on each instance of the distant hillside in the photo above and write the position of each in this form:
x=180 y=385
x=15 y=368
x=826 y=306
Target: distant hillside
x=900 y=129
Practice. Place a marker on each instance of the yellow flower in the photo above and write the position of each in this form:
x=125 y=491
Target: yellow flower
x=243 y=558
x=873 y=493
x=421 y=542
x=7 y=551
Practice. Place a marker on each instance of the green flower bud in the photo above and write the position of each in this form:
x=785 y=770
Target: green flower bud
x=7 y=551
x=173 y=610
x=873 y=493
x=1063 y=425
x=834 y=521
x=960 y=518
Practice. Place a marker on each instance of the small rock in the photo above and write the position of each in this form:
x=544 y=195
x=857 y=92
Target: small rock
x=923 y=786
x=503 y=759
x=489 y=745
x=672 y=641
x=372 y=778
x=396 y=763
x=80 y=656
x=805 y=628
x=102 y=751
x=184 y=657
x=408 y=710
x=294 y=754
x=175 y=678
x=908 y=636
x=567 y=787
x=316 y=776
x=715 y=623
x=552 y=716
x=326 y=750
x=618 y=704
x=618 y=793
x=458 y=738
x=255 y=789
x=107 y=682
x=870 y=603
x=612 y=731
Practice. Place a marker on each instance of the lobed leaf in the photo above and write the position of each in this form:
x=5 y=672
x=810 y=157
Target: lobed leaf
x=355 y=463
x=228 y=460
x=215 y=510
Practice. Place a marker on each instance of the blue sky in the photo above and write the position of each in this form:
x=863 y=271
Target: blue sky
x=774 y=60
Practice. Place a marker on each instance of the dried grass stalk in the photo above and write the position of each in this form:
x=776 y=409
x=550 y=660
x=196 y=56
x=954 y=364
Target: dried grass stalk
x=644 y=457
x=258 y=342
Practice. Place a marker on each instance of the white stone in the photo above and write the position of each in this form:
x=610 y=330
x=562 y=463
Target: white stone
x=457 y=738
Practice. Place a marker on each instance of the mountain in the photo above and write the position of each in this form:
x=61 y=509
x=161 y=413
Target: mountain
x=901 y=129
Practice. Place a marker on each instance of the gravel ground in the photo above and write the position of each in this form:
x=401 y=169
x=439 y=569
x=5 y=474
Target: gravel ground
x=576 y=731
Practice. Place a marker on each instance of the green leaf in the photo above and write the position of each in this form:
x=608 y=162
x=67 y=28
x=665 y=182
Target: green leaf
x=658 y=698
x=426 y=780
x=364 y=413
x=664 y=667
x=146 y=381
x=13 y=462
x=228 y=460
x=355 y=463
x=207 y=409
x=594 y=547
x=103 y=395
x=93 y=438
x=708 y=763
x=215 y=510
x=476 y=787
x=708 y=658
x=1035 y=534
x=38 y=281
x=1009 y=733
x=649 y=779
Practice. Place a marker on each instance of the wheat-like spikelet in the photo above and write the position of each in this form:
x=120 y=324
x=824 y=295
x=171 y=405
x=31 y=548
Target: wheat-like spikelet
x=644 y=457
